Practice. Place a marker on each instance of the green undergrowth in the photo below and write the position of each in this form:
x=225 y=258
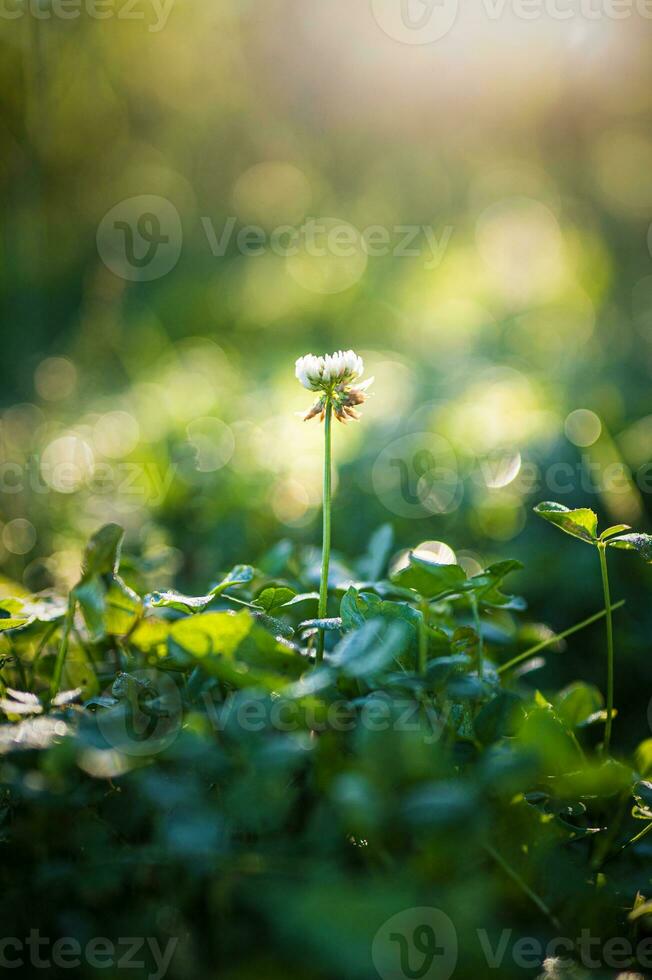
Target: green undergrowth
x=184 y=767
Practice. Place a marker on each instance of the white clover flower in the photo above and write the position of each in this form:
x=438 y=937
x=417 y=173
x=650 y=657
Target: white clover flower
x=309 y=370
x=343 y=366
x=333 y=375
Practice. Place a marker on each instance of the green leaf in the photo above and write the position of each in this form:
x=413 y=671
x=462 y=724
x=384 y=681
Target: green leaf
x=18 y=612
x=430 y=579
x=440 y=670
x=108 y=605
x=79 y=672
x=643 y=795
x=239 y=575
x=333 y=623
x=544 y=734
x=582 y=523
x=275 y=626
x=643 y=757
x=171 y=599
x=301 y=597
x=614 y=529
x=371 y=649
x=577 y=703
x=500 y=717
x=273 y=598
x=357 y=607
x=486 y=584
x=636 y=541
x=12 y=623
x=102 y=553
x=150 y=636
x=233 y=647
x=123 y=607
x=372 y=566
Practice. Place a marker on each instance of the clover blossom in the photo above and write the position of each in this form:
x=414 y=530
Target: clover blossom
x=334 y=375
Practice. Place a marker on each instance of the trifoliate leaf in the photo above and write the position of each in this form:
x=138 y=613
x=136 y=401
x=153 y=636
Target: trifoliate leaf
x=274 y=597
x=370 y=650
x=430 y=579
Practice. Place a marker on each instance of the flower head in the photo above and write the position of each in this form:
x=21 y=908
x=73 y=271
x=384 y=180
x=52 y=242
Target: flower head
x=333 y=375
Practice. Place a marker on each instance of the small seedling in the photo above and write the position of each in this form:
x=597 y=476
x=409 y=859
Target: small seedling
x=582 y=523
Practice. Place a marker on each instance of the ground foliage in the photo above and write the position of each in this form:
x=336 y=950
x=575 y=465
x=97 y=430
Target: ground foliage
x=176 y=766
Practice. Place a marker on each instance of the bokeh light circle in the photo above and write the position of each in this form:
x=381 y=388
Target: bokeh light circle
x=583 y=427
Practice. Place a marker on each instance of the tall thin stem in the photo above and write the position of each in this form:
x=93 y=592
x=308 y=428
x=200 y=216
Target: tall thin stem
x=422 y=650
x=63 y=647
x=556 y=637
x=475 y=609
x=643 y=833
x=326 y=532
x=602 y=551
x=525 y=888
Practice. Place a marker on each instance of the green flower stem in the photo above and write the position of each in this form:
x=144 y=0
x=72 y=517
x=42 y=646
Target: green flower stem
x=63 y=647
x=423 y=638
x=326 y=534
x=525 y=888
x=602 y=551
x=641 y=834
x=478 y=628
x=41 y=647
x=558 y=636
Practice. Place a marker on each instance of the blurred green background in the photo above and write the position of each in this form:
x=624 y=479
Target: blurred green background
x=504 y=170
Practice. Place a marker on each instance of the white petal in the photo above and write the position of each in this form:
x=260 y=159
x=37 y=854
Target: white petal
x=308 y=371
